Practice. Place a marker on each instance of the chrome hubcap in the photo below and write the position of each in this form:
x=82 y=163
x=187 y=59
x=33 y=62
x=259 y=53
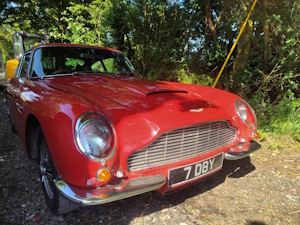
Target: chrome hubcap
x=46 y=172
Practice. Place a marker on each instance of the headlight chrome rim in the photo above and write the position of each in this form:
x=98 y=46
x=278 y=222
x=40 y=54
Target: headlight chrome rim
x=252 y=111
x=79 y=124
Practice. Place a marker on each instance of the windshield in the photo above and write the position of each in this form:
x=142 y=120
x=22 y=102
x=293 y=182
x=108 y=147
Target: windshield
x=49 y=61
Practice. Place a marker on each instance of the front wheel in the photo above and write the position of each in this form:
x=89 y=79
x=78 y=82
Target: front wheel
x=12 y=126
x=57 y=203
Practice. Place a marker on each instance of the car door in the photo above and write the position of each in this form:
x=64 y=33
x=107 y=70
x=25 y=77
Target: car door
x=14 y=90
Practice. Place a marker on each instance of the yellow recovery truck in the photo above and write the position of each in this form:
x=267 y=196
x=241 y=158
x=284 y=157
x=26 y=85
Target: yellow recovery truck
x=21 y=42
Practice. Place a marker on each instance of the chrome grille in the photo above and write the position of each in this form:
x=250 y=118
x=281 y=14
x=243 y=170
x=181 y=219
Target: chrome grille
x=181 y=144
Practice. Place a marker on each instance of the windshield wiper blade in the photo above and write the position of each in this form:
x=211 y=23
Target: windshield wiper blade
x=91 y=73
x=81 y=72
x=128 y=73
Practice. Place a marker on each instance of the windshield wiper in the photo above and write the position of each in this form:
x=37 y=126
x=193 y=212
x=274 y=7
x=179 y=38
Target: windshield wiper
x=84 y=72
x=103 y=72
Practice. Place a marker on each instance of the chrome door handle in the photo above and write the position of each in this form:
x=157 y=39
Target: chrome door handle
x=20 y=107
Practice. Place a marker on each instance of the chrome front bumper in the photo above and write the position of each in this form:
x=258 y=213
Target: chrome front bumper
x=110 y=193
x=239 y=155
x=126 y=189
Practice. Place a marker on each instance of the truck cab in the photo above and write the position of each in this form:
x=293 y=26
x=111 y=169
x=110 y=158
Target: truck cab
x=22 y=41
x=2 y=70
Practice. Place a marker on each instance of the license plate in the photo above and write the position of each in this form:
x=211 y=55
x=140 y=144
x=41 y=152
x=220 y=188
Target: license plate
x=195 y=170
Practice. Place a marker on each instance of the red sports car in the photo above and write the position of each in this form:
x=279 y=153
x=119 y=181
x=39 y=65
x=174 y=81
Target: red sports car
x=101 y=132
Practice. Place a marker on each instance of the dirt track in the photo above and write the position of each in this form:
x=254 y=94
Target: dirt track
x=262 y=190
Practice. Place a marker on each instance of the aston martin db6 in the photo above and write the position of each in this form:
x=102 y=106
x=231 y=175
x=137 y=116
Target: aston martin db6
x=100 y=132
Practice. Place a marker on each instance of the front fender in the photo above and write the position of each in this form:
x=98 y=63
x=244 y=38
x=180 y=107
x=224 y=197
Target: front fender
x=57 y=112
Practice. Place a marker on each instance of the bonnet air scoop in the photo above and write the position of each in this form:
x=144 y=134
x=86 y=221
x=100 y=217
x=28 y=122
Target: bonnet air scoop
x=166 y=91
x=137 y=94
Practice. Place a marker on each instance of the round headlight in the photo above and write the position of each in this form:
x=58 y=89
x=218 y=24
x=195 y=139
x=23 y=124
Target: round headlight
x=95 y=136
x=242 y=109
x=245 y=112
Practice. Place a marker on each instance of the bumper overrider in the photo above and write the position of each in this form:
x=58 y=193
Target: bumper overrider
x=249 y=149
x=132 y=187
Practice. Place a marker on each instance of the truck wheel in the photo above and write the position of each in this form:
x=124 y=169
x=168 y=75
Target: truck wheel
x=57 y=203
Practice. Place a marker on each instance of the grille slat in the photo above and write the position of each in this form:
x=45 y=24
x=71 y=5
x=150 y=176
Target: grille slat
x=181 y=144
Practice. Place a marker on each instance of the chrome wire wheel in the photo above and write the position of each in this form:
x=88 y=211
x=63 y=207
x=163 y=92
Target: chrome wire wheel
x=46 y=171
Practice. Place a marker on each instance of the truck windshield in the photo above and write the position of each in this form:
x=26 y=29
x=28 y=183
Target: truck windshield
x=49 y=61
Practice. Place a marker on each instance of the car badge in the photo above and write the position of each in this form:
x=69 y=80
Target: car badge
x=196 y=110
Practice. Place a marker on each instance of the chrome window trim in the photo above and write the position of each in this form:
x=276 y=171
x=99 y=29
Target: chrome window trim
x=19 y=68
x=17 y=73
x=82 y=149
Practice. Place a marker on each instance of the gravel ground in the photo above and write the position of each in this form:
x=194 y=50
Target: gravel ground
x=263 y=189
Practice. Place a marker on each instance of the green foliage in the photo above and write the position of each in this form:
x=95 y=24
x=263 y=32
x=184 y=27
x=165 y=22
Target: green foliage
x=192 y=78
x=83 y=23
x=6 y=43
x=285 y=117
x=279 y=72
x=184 y=41
x=262 y=135
x=74 y=62
x=110 y=65
x=97 y=66
x=282 y=118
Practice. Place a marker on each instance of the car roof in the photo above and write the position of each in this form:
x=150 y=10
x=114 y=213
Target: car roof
x=74 y=45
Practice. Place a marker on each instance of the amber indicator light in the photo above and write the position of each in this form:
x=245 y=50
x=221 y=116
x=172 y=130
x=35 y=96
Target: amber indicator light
x=104 y=175
x=102 y=196
x=256 y=135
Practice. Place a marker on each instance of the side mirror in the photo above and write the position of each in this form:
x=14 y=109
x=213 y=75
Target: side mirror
x=18 y=46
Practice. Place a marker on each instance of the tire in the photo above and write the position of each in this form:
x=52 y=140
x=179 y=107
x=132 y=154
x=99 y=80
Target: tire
x=11 y=125
x=57 y=203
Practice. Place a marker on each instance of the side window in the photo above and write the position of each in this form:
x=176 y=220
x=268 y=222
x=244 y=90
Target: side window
x=25 y=65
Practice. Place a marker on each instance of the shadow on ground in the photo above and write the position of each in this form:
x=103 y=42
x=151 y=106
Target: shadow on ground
x=255 y=223
x=126 y=210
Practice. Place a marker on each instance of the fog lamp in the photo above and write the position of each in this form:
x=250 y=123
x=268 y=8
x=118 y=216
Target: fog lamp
x=119 y=174
x=104 y=175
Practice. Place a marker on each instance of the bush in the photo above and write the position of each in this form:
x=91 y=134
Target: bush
x=285 y=117
x=282 y=118
x=192 y=78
